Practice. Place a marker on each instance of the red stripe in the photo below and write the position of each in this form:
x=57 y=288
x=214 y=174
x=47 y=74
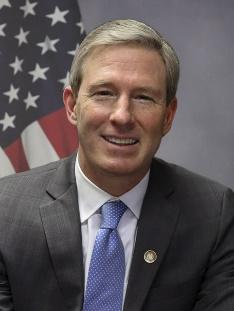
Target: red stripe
x=15 y=153
x=61 y=134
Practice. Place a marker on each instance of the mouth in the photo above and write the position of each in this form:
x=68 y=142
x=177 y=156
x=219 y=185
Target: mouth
x=121 y=141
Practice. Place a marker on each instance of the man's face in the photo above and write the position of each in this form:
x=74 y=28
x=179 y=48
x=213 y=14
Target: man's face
x=121 y=111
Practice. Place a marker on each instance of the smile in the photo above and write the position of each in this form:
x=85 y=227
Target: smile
x=120 y=141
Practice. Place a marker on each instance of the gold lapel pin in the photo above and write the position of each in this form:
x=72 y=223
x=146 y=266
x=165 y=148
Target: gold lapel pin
x=150 y=256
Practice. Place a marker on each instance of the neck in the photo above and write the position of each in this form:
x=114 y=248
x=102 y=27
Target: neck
x=116 y=186
x=113 y=184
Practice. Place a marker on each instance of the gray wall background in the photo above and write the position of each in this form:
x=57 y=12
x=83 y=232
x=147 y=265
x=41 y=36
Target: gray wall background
x=202 y=32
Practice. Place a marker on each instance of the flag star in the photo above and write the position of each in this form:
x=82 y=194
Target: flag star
x=81 y=26
x=73 y=51
x=28 y=8
x=31 y=101
x=22 y=36
x=12 y=93
x=38 y=73
x=65 y=80
x=4 y=3
x=17 y=65
x=7 y=121
x=48 y=45
x=2 y=33
x=57 y=16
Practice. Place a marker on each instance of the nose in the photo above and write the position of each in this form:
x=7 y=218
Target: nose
x=122 y=113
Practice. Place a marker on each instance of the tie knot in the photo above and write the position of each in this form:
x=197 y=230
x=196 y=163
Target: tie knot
x=112 y=211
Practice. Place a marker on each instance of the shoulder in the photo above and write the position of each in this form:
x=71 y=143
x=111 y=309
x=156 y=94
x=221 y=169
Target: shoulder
x=199 y=199
x=33 y=174
x=35 y=180
x=187 y=183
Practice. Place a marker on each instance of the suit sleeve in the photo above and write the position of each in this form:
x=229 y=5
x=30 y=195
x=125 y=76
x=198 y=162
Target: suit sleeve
x=217 y=289
x=6 y=303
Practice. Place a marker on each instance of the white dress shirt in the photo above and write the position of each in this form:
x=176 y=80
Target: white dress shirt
x=90 y=199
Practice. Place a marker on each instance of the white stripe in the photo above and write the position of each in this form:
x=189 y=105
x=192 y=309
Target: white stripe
x=6 y=168
x=37 y=148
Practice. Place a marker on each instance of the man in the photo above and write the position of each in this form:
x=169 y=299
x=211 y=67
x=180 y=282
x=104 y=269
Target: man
x=176 y=230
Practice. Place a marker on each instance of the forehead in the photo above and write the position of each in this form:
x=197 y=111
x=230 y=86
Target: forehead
x=110 y=48
x=126 y=58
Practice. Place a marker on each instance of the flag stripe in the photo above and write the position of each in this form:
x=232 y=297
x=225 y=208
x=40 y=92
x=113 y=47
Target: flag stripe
x=37 y=147
x=16 y=154
x=62 y=135
x=6 y=166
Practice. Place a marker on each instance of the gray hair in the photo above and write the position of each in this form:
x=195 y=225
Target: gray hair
x=127 y=32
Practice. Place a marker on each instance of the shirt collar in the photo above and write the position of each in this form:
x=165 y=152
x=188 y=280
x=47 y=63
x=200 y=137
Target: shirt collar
x=91 y=197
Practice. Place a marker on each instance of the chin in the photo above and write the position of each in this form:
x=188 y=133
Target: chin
x=124 y=169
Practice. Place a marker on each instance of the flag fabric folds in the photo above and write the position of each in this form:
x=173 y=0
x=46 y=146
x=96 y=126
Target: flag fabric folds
x=37 y=44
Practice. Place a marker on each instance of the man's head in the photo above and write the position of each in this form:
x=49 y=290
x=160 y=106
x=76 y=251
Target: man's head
x=130 y=32
x=122 y=100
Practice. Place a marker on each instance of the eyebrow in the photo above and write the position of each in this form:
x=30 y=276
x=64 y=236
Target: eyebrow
x=100 y=83
x=104 y=83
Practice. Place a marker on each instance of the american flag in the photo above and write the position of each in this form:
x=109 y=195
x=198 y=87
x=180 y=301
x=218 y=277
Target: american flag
x=37 y=43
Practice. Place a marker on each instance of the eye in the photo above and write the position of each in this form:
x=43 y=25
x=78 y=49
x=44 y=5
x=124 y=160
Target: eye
x=103 y=96
x=144 y=98
x=103 y=93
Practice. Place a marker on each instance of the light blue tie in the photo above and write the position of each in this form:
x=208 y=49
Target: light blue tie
x=104 y=289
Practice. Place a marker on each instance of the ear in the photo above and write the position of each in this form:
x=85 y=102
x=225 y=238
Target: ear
x=170 y=115
x=69 y=101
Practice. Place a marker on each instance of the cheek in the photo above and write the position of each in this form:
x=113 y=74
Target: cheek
x=89 y=119
x=152 y=123
x=82 y=112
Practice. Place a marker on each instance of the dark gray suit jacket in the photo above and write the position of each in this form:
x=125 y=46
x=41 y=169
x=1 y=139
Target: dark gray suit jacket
x=186 y=219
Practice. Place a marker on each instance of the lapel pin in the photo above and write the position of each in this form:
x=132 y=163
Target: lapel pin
x=150 y=256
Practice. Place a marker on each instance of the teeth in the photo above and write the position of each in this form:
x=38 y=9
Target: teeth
x=121 y=141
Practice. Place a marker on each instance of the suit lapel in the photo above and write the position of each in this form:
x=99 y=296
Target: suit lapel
x=61 y=221
x=155 y=228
